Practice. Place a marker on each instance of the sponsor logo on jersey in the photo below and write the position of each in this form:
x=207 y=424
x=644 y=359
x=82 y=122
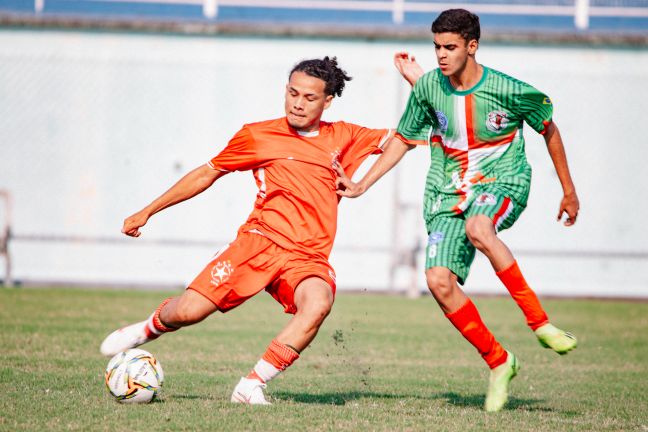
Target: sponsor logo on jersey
x=221 y=272
x=546 y=101
x=486 y=199
x=497 y=120
x=443 y=121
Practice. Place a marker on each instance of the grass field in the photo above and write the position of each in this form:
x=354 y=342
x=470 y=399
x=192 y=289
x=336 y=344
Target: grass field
x=379 y=363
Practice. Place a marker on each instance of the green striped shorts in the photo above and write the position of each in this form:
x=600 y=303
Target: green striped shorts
x=448 y=245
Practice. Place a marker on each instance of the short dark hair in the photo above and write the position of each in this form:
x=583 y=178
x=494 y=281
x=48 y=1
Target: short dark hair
x=327 y=70
x=458 y=21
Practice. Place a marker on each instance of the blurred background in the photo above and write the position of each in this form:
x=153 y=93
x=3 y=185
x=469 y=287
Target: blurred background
x=104 y=104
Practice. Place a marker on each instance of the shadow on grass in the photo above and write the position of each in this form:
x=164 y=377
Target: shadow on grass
x=471 y=400
x=340 y=398
x=477 y=401
x=187 y=397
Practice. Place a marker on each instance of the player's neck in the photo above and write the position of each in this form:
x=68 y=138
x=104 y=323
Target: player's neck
x=468 y=77
x=308 y=133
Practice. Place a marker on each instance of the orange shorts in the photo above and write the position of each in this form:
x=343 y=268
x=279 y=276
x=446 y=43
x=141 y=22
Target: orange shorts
x=252 y=263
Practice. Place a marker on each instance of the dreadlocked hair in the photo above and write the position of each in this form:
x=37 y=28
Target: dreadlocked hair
x=327 y=70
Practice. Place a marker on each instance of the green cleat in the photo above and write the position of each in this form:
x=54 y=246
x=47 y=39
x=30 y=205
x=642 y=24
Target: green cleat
x=558 y=340
x=498 y=383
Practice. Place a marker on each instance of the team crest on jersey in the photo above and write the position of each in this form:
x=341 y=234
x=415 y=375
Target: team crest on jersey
x=437 y=205
x=497 y=120
x=443 y=121
x=485 y=199
x=221 y=272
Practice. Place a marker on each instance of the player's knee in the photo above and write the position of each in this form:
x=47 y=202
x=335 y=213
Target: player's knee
x=187 y=312
x=439 y=283
x=480 y=231
x=316 y=311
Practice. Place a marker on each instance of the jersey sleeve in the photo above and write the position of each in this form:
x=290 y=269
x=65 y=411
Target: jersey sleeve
x=364 y=142
x=536 y=108
x=419 y=116
x=240 y=154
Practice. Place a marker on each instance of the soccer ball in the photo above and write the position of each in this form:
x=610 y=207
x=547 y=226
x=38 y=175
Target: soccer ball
x=134 y=376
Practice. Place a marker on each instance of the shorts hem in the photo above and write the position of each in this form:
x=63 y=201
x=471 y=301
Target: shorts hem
x=208 y=297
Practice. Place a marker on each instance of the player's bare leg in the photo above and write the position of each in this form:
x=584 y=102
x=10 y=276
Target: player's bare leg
x=482 y=235
x=187 y=309
x=463 y=314
x=313 y=299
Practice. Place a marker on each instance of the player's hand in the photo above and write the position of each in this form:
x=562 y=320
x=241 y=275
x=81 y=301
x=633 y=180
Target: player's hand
x=570 y=206
x=344 y=185
x=133 y=223
x=408 y=67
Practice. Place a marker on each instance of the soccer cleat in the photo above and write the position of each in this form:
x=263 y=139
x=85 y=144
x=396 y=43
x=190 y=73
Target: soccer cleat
x=498 y=383
x=126 y=338
x=558 y=340
x=250 y=392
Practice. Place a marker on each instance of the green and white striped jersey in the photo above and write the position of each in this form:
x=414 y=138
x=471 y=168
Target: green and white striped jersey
x=475 y=136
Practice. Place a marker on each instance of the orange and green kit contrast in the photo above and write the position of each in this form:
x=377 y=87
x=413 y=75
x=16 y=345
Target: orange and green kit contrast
x=478 y=162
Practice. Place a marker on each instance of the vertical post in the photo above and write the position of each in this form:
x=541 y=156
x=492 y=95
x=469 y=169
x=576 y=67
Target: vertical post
x=396 y=249
x=398 y=11
x=210 y=8
x=581 y=14
x=5 y=236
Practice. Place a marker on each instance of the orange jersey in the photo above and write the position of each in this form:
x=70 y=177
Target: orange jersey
x=296 y=206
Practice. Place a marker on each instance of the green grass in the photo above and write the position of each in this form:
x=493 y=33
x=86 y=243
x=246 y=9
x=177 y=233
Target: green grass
x=379 y=363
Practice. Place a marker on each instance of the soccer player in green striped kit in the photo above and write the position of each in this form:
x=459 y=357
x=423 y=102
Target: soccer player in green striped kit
x=478 y=182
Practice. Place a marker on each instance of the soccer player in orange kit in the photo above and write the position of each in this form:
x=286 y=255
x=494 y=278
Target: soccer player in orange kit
x=284 y=245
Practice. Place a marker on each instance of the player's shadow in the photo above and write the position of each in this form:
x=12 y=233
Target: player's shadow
x=340 y=398
x=477 y=401
x=187 y=397
x=471 y=400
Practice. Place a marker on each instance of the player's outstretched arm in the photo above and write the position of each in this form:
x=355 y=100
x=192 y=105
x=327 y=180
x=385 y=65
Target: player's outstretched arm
x=392 y=153
x=408 y=67
x=569 y=203
x=187 y=187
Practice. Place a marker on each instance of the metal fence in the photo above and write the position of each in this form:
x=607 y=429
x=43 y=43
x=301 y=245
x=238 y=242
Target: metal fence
x=578 y=15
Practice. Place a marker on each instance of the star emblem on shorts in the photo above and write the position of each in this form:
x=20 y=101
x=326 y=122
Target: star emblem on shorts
x=221 y=272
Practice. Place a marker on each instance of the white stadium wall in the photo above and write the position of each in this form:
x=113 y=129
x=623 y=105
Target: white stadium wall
x=95 y=125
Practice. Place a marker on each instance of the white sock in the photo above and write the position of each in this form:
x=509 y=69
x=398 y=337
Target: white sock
x=265 y=370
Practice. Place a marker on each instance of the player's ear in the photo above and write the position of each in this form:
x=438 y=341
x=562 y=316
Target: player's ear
x=327 y=101
x=473 y=44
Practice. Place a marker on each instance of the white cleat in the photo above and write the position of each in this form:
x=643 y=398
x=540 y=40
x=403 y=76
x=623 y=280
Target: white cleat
x=126 y=338
x=250 y=392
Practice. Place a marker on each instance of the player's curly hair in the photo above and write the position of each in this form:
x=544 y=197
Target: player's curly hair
x=327 y=70
x=458 y=21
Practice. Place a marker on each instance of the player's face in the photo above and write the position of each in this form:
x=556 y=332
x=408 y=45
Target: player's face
x=305 y=101
x=453 y=52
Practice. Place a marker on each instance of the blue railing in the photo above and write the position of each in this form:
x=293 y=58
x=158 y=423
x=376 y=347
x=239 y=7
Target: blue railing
x=576 y=15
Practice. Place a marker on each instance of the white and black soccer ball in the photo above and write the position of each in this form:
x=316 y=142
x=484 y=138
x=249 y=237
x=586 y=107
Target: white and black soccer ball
x=134 y=376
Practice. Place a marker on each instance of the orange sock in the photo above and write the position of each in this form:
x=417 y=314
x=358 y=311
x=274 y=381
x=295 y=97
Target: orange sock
x=276 y=359
x=524 y=296
x=467 y=320
x=154 y=327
